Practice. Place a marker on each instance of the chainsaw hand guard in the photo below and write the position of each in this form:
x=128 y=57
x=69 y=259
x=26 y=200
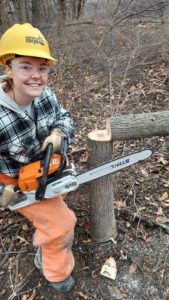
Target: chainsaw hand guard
x=41 y=188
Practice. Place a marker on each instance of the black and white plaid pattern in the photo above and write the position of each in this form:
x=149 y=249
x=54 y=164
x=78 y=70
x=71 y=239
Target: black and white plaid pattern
x=21 y=137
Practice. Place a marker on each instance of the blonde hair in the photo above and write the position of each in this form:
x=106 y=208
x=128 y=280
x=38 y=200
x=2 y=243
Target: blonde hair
x=9 y=85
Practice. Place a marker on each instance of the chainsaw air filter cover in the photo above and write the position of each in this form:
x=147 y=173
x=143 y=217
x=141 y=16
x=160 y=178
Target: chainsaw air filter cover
x=29 y=174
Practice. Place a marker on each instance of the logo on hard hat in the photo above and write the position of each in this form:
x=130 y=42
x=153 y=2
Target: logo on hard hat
x=35 y=40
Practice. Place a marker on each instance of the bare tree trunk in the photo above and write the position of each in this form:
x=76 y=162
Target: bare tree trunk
x=61 y=23
x=135 y=126
x=8 y=15
x=22 y=12
x=39 y=14
x=74 y=9
x=103 y=223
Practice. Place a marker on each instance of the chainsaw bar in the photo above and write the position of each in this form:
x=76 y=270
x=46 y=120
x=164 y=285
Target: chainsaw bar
x=113 y=166
x=58 y=186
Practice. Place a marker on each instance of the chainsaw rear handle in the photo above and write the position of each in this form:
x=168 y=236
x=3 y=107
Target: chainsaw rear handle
x=39 y=195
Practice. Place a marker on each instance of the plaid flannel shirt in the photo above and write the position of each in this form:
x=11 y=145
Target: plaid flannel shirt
x=21 y=137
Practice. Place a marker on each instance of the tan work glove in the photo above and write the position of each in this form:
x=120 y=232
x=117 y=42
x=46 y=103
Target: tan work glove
x=54 y=138
x=8 y=195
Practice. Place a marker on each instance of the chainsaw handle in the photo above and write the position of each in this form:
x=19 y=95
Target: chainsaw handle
x=42 y=181
x=48 y=155
x=63 y=152
x=63 y=147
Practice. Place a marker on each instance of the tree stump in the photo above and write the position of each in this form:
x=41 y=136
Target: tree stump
x=102 y=219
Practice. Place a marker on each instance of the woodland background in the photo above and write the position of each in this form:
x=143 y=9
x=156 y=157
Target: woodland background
x=113 y=58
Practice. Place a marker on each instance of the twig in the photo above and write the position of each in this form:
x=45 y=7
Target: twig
x=165 y=261
x=10 y=224
x=126 y=71
x=131 y=15
x=77 y=150
x=3 y=261
x=14 y=252
x=126 y=213
x=21 y=285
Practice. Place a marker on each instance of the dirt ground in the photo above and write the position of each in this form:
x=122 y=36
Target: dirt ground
x=141 y=248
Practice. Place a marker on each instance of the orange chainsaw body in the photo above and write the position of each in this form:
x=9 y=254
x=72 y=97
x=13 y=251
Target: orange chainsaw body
x=29 y=174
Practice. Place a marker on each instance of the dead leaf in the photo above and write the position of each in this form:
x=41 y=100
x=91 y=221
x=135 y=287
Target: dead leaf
x=144 y=173
x=132 y=88
x=82 y=295
x=142 y=208
x=145 y=235
x=2 y=272
x=166 y=182
x=142 y=25
x=128 y=224
x=32 y=297
x=25 y=227
x=109 y=268
x=160 y=212
x=22 y=240
x=164 y=196
x=133 y=268
x=123 y=255
x=162 y=219
x=88 y=241
x=87 y=227
x=162 y=160
x=165 y=204
x=120 y=203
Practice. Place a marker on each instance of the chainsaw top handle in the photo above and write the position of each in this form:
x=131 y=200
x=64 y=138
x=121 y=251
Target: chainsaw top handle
x=63 y=152
x=39 y=195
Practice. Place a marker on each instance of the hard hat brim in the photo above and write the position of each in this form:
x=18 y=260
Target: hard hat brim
x=25 y=52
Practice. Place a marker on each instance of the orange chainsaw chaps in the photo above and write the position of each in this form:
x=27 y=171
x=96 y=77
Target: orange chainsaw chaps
x=29 y=174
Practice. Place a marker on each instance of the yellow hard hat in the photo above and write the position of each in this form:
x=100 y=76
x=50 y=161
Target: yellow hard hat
x=24 y=40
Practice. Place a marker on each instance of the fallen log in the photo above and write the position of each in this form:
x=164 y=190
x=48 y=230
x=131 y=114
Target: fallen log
x=136 y=126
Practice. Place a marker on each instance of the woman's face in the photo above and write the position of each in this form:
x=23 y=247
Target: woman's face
x=29 y=76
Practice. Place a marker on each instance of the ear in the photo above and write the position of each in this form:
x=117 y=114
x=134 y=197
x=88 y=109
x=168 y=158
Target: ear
x=8 y=71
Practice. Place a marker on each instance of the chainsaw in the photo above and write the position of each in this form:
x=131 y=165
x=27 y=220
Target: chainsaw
x=50 y=177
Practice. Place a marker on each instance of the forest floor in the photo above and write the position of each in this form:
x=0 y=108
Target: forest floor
x=141 y=248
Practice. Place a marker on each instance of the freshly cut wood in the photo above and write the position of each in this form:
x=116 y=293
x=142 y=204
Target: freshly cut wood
x=135 y=126
x=102 y=219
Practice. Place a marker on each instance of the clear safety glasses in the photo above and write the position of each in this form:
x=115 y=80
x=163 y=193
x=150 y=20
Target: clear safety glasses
x=27 y=69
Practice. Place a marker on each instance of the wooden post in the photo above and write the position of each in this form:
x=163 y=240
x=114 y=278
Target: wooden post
x=103 y=223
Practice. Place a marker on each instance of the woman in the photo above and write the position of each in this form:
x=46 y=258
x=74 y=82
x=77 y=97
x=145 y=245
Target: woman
x=31 y=118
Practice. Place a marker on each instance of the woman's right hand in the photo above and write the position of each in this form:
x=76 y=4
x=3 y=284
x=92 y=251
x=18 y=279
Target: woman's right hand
x=8 y=195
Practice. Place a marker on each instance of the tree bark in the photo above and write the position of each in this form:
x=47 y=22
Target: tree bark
x=39 y=13
x=102 y=219
x=135 y=126
x=22 y=11
x=8 y=15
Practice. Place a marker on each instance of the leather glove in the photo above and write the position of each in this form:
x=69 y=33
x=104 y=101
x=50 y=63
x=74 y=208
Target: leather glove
x=54 y=138
x=8 y=195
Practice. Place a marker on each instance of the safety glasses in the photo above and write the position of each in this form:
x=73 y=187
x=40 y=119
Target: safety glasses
x=28 y=69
